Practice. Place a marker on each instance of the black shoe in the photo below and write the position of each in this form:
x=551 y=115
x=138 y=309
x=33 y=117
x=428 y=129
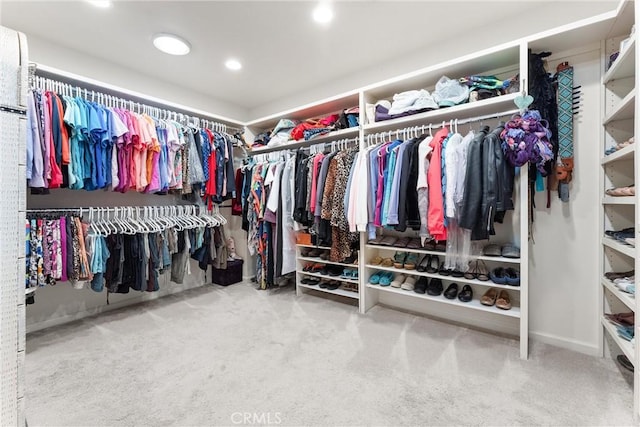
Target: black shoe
x=324 y=285
x=457 y=273
x=335 y=271
x=332 y=286
x=424 y=262
x=421 y=285
x=435 y=287
x=434 y=263
x=452 y=291
x=444 y=271
x=466 y=294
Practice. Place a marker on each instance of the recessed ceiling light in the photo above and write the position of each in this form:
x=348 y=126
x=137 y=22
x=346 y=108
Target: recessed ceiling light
x=323 y=13
x=233 y=64
x=171 y=44
x=100 y=3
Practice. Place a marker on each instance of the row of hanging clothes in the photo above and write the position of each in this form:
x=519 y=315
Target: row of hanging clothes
x=445 y=185
x=81 y=139
x=122 y=248
x=283 y=193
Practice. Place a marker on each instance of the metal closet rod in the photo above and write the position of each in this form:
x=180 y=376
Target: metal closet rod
x=306 y=145
x=48 y=79
x=109 y=209
x=444 y=123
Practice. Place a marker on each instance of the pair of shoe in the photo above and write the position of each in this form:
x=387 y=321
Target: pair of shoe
x=429 y=263
x=314 y=267
x=465 y=295
x=433 y=245
x=505 y=276
x=626 y=235
x=352 y=287
x=350 y=273
x=382 y=278
x=405 y=260
x=382 y=262
x=310 y=281
x=506 y=251
x=432 y=287
x=352 y=259
x=331 y=285
x=404 y=281
x=501 y=299
x=477 y=270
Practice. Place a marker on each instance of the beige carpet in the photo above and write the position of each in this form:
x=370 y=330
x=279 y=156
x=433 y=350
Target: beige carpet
x=237 y=356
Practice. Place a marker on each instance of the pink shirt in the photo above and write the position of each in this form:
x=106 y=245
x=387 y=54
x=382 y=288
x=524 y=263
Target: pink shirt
x=435 y=214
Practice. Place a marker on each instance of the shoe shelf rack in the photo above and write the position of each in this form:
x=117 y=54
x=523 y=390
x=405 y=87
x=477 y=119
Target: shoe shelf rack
x=619 y=169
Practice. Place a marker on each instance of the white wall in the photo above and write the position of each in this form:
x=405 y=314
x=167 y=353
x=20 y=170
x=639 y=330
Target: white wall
x=547 y=15
x=563 y=278
x=47 y=53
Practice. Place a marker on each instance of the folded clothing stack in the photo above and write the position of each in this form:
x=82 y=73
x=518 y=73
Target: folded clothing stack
x=624 y=324
x=625 y=281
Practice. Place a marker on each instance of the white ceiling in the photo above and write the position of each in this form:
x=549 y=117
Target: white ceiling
x=282 y=50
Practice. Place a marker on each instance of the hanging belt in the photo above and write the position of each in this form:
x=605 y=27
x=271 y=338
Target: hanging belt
x=564 y=166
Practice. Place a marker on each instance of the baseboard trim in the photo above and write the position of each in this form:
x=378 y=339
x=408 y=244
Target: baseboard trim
x=58 y=321
x=567 y=343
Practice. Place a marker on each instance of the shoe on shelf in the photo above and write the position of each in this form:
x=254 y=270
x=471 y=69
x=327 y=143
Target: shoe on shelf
x=387 y=262
x=376 y=260
x=489 y=297
x=351 y=258
x=414 y=243
x=324 y=255
x=421 y=285
x=399 y=258
x=305 y=252
x=424 y=263
x=512 y=277
x=441 y=246
x=613 y=275
x=466 y=294
x=308 y=266
x=334 y=271
x=314 y=253
x=434 y=288
x=386 y=278
x=483 y=271
x=456 y=273
x=430 y=245
x=333 y=285
x=409 y=283
x=492 y=250
x=375 y=277
x=434 y=264
x=472 y=271
x=510 y=251
x=498 y=276
x=410 y=261
x=402 y=242
x=324 y=284
x=504 y=301
x=444 y=271
x=452 y=291
x=398 y=281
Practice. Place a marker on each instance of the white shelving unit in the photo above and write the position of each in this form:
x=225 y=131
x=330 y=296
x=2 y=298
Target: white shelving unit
x=619 y=169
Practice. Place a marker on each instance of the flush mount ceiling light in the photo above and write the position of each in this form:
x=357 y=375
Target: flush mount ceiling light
x=233 y=64
x=323 y=14
x=103 y=4
x=171 y=44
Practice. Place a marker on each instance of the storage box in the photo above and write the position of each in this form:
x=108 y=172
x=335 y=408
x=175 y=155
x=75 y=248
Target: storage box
x=303 y=238
x=233 y=273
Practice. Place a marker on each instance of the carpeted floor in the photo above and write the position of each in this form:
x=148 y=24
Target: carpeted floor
x=237 y=356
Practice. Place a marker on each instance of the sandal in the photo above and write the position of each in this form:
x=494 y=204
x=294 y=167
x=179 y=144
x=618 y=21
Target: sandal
x=308 y=266
x=387 y=262
x=410 y=261
x=472 y=270
x=317 y=267
x=377 y=260
x=399 y=259
x=483 y=271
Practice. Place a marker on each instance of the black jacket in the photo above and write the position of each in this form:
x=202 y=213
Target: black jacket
x=488 y=185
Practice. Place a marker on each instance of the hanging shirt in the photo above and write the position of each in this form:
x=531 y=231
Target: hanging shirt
x=434 y=179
